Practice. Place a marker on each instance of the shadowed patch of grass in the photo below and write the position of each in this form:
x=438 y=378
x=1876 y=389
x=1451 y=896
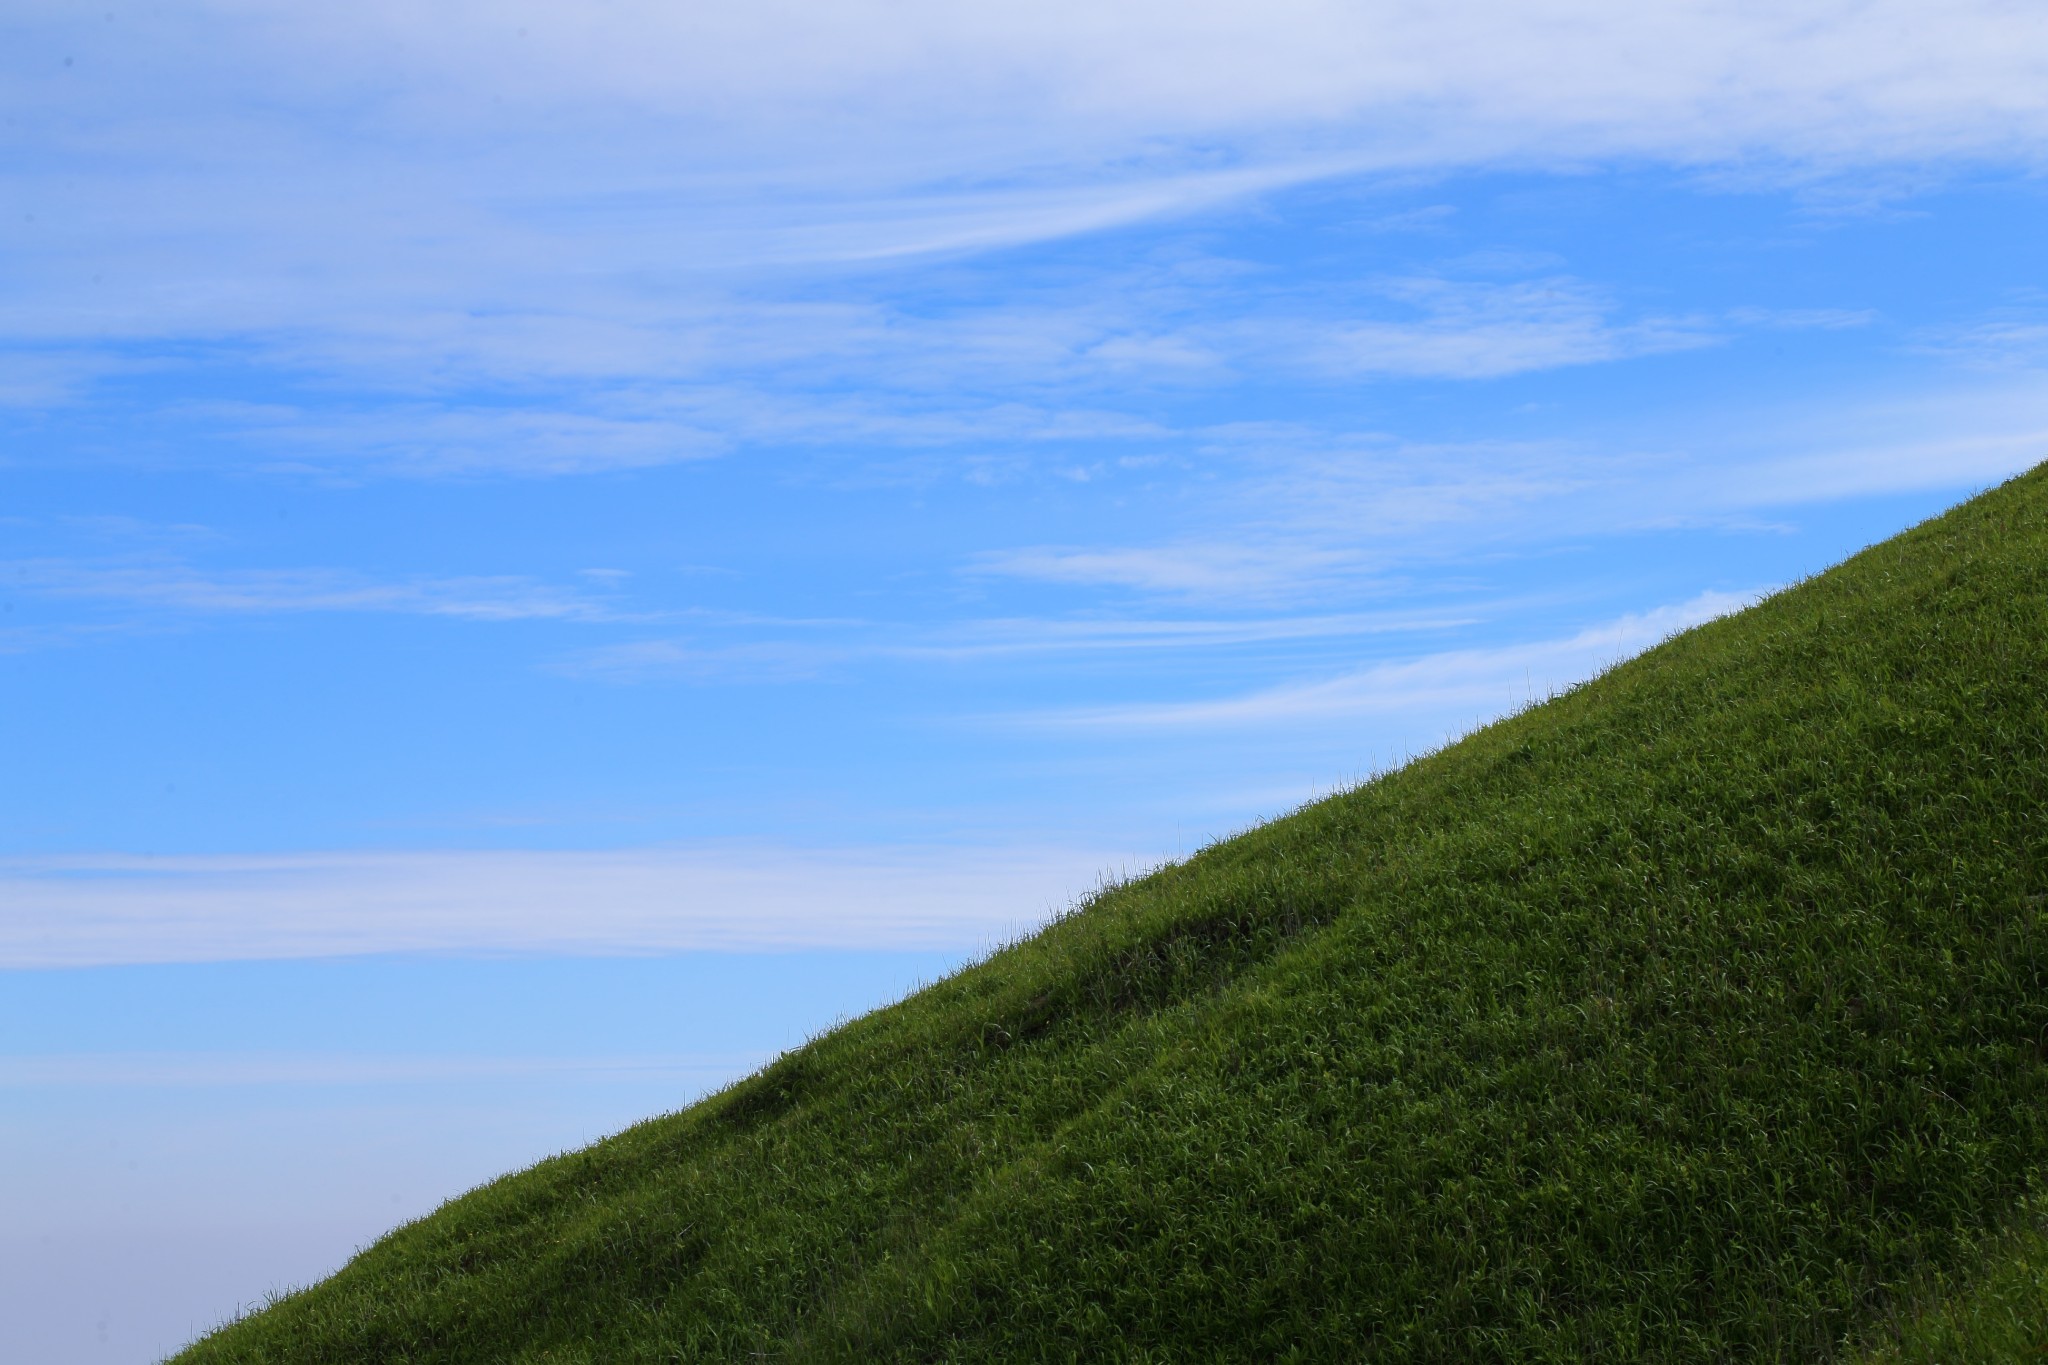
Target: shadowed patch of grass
x=1698 y=1014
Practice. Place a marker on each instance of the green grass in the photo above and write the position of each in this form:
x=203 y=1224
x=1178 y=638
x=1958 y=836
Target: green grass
x=1699 y=1014
x=1998 y=1316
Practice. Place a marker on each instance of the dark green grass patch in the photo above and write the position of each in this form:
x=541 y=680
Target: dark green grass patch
x=1700 y=1014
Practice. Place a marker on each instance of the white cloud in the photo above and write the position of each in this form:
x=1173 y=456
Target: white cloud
x=1968 y=460
x=1961 y=437
x=102 y=910
x=1684 y=78
x=682 y=660
x=1209 y=569
x=416 y=439
x=181 y=587
x=50 y=379
x=1416 y=326
x=1804 y=319
x=326 y=1068
x=2010 y=339
x=491 y=193
x=1290 y=512
x=789 y=660
x=925 y=225
x=1483 y=330
x=1463 y=686
x=982 y=639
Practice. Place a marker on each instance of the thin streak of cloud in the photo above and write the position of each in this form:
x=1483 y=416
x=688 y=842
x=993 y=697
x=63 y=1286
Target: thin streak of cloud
x=1300 y=512
x=1236 y=570
x=442 y=441
x=927 y=226
x=994 y=638
x=143 y=1069
x=772 y=661
x=673 y=660
x=1804 y=319
x=2011 y=339
x=1961 y=437
x=1975 y=460
x=39 y=639
x=113 y=909
x=180 y=587
x=1485 y=330
x=1465 y=683
x=44 y=379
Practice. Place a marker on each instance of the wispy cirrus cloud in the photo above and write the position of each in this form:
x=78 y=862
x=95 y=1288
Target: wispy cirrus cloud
x=1289 y=512
x=186 y=588
x=449 y=440
x=1013 y=636
x=1964 y=434
x=100 y=910
x=437 y=200
x=697 y=661
x=1803 y=319
x=1969 y=459
x=1292 y=513
x=1462 y=685
x=39 y=378
x=1465 y=329
x=2014 y=337
x=1235 y=570
x=847 y=643
x=211 y=1069
x=1821 y=78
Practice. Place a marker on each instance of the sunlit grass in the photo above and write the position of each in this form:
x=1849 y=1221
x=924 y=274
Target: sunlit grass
x=1699 y=1014
x=1994 y=1313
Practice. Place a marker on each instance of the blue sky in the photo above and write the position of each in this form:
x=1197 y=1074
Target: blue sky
x=546 y=554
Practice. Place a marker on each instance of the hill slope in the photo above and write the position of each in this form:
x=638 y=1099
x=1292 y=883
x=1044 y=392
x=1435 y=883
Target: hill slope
x=1700 y=1013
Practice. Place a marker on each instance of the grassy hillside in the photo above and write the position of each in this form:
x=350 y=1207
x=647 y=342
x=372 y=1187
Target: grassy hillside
x=1699 y=1014
x=1997 y=1315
